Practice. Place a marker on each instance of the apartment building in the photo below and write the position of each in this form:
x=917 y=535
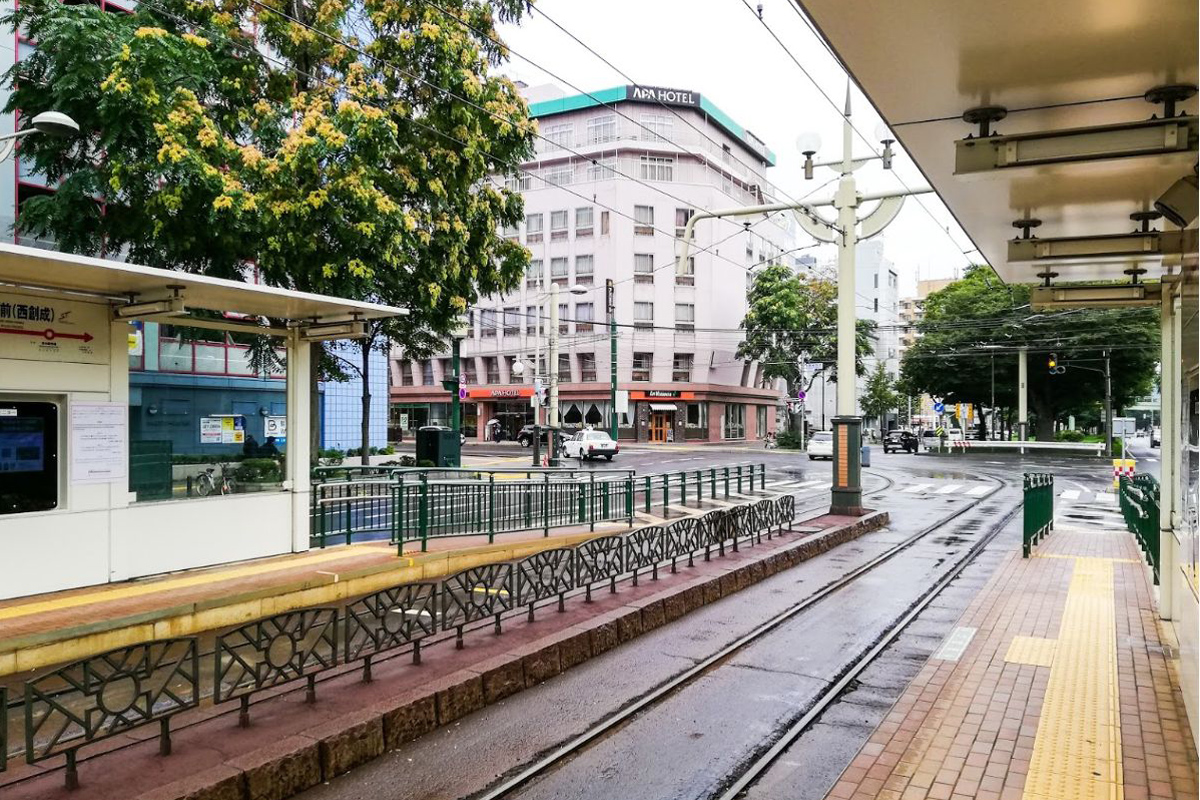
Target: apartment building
x=613 y=183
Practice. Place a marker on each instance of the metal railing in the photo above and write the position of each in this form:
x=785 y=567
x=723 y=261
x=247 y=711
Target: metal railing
x=1139 y=499
x=1038 y=510
x=113 y=693
x=405 y=505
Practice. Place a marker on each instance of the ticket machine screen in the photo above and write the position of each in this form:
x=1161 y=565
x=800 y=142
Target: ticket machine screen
x=28 y=456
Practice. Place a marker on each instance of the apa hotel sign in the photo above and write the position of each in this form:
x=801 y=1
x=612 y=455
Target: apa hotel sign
x=659 y=94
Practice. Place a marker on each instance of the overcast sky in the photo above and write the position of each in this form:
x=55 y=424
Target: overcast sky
x=720 y=49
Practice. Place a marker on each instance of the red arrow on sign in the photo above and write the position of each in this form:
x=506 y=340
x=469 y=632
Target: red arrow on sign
x=49 y=334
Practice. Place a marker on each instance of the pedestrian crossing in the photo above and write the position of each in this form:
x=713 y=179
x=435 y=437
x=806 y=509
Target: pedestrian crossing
x=965 y=489
x=1102 y=496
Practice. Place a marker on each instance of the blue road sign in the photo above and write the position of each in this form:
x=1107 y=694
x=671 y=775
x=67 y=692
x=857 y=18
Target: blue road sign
x=939 y=407
x=800 y=395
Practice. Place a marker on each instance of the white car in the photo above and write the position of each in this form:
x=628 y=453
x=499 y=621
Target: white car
x=954 y=435
x=821 y=445
x=590 y=444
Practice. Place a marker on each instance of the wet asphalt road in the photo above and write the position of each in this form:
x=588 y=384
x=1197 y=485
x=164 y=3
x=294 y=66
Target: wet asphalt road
x=695 y=740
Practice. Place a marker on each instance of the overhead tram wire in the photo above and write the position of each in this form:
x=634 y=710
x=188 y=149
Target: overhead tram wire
x=833 y=104
x=448 y=93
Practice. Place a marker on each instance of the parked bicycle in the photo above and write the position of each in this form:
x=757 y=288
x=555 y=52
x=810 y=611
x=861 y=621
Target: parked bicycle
x=207 y=483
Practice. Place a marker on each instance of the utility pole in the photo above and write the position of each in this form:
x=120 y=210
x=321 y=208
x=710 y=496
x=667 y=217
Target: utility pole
x=1108 y=414
x=610 y=292
x=552 y=423
x=1023 y=396
x=803 y=417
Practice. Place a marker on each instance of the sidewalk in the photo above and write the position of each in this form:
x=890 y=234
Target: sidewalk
x=1068 y=688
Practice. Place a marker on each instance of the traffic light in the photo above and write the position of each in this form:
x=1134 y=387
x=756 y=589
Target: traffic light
x=1052 y=365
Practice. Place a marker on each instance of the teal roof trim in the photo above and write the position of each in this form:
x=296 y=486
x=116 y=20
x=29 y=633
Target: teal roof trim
x=617 y=94
x=576 y=102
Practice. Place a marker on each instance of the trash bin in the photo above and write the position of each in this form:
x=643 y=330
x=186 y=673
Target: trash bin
x=438 y=445
x=866 y=456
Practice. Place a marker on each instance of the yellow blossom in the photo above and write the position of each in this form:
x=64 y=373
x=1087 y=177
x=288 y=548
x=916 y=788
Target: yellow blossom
x=192 y=38
x=207 y=137
x=147 y=33
x=223 y=201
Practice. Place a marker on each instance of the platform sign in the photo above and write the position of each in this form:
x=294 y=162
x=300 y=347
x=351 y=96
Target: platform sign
x=48 y=329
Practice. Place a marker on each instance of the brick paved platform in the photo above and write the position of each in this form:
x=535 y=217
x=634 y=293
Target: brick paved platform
x=1064 y=691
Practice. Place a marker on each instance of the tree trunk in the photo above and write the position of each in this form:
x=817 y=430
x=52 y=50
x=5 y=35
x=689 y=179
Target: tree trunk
x=365 y=452
x=1044 y=430
x=314 y=400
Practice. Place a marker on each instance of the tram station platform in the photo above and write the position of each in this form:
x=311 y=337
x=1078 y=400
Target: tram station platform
x=1059 y=682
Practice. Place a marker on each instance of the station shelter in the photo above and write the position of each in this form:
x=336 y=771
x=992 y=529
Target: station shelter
x=1063 y=139
x=89 y=491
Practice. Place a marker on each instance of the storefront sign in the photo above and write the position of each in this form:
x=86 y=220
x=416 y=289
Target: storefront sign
x=99 y=442
x=501 y=392
x=661 y=394
x=275 y=427
x=660 y=94
x=48 y=329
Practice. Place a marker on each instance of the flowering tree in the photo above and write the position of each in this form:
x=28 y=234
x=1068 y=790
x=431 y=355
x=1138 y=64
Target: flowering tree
x=341 y=147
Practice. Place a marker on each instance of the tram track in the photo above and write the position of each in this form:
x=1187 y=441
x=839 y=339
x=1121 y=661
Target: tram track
x=735 y=785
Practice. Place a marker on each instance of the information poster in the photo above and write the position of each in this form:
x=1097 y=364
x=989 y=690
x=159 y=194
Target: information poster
x=99 y=442
x=233 y=430
x=275 y=428
x=210 y=430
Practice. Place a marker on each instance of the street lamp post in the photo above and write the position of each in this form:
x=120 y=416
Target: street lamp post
x=51 y=123
x=552 y=417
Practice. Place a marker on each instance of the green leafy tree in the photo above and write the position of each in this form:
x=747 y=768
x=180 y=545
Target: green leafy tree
x=976 y=326
x=879 y=395
x=789 y=315
x=353 y=160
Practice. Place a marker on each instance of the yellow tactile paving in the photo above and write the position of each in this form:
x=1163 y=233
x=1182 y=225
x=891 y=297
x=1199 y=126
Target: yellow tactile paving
x=1077 y=750
x=1032 y=650
x=196 y=579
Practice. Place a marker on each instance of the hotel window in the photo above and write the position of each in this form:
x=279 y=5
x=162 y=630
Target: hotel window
x=750 y=247
x=604 y=223
x=512 y=321
x=531 y=319
x=602 y=169
x=426 y=372
x=511 y=232
x=602 y=129
x=487 y=323
x=697 y=415
x=688 y=277
x=563 y=325
x=468 y=370
x=559 y=175
x=643 y=268
x=533 y=228
x=641 y=366
x=558 y=225
x=643 y=220
x=517 y=183
x=657 y=168
x=735 y=421
x=564 y=368
x=406 y=374
x=533 y=273
x=656 y=127
x=558 y=136
x=585 y=267
x=584 y=317
x=558 y=270
x=643 y=315
x=685 y=317
x=492 y=367
x=681 y=368
x=587 y=367
x=583 y=221
x=682 y=215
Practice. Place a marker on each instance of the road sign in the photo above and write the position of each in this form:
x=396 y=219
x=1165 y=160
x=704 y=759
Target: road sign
x=462 y=394
x=939 y=407
x=800 y=395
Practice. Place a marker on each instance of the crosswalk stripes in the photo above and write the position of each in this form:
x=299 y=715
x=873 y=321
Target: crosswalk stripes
x=1069 y=494
x=978 y=490
x=917 y=487
x=948 y=489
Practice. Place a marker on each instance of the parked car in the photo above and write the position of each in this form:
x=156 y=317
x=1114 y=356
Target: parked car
x=590 y=444
x=954 y=435
x=821 y=445
x=525 y=435
x=896 y=440
x=1155 y=436
x=929 y=438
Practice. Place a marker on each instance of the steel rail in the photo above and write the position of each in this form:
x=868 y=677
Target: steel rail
x=582 y=741
x=750 y=776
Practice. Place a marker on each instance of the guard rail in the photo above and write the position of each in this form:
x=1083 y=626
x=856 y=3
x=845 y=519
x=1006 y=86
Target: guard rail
x=1139 y=498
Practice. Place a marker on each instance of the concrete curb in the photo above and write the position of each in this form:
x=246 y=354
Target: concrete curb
x=288 y=766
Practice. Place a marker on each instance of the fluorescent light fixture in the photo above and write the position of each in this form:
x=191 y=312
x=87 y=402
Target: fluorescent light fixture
x=323 y=332
x=1124 y=245
x=1122 y=140
x=1045 y=298
x=154 y=308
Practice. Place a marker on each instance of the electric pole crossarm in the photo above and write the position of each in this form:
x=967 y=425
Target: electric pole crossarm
x=741 y=211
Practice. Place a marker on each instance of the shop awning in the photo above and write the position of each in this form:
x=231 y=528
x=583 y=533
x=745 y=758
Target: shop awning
x=663 y=407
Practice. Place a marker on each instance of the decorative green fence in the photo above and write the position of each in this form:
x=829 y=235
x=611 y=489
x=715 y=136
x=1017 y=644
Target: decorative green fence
x=1139 y=505
x=407 y=505
x=1038 y=510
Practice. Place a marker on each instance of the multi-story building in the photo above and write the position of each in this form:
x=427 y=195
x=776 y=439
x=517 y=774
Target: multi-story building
x=618 y=174
x=912 y=310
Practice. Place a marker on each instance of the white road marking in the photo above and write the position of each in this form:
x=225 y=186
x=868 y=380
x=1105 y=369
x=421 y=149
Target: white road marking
x=1070 y=494
x=813 y=484
x=1105 y=497
x=950 y=489
x=917 y=487
x=978 y=490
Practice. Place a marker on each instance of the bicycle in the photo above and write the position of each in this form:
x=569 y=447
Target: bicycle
x=206 y=484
